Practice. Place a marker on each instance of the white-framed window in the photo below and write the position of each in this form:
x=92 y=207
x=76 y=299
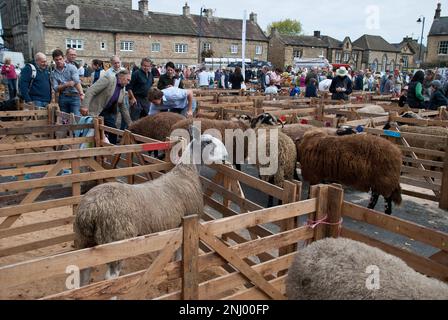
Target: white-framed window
x=384 y=64
x=258 y=50
x=103 y=45
x=155 y=47
x=234 y=49
x=74 y=44
x=127 y=46
x=346 y=57
x=443 y=47
x=405 y=61
x=375 y=65
x=180 y=66
x=297 y=53
x=181 y=48
x=355 y=57
x=338 y=57
x=206 y=46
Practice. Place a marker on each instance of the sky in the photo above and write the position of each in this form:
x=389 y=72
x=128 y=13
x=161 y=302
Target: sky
x=392 y=19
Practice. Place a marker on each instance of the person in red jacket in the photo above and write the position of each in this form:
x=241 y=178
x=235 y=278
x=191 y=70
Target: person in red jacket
x=9 y=72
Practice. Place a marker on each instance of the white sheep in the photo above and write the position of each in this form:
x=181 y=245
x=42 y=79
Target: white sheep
x=343 y=269
x=115 y=211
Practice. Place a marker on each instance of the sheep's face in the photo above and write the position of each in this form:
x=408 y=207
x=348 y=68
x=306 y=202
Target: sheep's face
x=213 y=150
x=264 y=119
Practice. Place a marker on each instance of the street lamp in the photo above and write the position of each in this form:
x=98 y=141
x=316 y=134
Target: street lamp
x=421 y=20
x=203 y=10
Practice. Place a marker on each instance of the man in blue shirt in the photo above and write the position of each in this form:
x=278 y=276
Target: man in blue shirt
x=67 y=85
x=172 y=99
x=35 y=85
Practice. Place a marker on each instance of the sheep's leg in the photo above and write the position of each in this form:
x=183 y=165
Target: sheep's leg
x=113 y=270
x=85 y=276
x=270 y=201
x=388 y=206
x=373 y=200
x=238 y=166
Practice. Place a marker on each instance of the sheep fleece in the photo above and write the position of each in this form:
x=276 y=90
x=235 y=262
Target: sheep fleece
x=116 y=211
x=156 y=127
x=335 y=269
x=362 y=161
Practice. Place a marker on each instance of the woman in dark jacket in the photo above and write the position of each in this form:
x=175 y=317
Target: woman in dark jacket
x=236 y=79
x=438 y=98
x=311 y=89
x=415 y=92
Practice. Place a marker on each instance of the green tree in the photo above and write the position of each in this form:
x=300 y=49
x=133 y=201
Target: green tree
x=287 y=27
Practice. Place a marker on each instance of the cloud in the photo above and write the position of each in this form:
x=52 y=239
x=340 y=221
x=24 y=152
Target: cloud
x=341 y=18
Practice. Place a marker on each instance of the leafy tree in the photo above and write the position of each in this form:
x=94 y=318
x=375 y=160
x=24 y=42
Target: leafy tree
x=288 y=27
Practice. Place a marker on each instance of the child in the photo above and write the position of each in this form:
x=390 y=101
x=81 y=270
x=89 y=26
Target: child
x=294 y=90
x=404 y=97
x=272 y=89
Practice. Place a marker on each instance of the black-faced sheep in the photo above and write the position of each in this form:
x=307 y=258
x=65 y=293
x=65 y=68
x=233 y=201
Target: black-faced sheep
x=157 y=126
x=115 y=211
x=363 y=162
x=285 y=155
x=339 y=269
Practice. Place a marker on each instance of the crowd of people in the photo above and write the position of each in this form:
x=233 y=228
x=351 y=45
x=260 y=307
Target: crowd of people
x=133 y=94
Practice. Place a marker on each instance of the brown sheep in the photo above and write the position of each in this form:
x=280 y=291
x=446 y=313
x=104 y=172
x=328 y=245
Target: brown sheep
x=156 y=127
x=363 y=162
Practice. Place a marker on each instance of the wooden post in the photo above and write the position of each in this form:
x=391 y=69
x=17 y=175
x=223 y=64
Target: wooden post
x=334 y=210
x=76 y=187
x=444 y=192
x=321 y=193
x=289 y=196
x=190 y=279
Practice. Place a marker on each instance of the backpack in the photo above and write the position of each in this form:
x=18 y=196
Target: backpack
x=33 y=76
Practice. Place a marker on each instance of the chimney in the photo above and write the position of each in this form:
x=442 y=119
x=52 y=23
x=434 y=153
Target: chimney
x=317 y=34
x=208 y=13
x=143 y=6
x=438 y=11
x=186 y=9
x=253 y=17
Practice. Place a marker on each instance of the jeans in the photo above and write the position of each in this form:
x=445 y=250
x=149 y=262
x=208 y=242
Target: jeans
x=110 y=120
x=12 y=88
x=40 y=104
x=70 y=104
x=140 y=109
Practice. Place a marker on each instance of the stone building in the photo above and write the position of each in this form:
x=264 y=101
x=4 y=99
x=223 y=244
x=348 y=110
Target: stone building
x=14 y=15
x=438 y=40
x=284 y=49
x=133 y=34
x=378 y=54
x=410 y=54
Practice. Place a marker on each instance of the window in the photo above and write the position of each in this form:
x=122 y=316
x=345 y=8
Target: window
x=338 y=57
x=375 y=65
x=127 y=46
x=405 y=61
x=180 y=48
x=234 y=49
x=75 y=44
x=180 y=66
x=206 y=46
x=155 y=47
x=443 y=47
x=355 y=57
x=392 y=65
x=297 y=53
x=384 y=65
x=103 y=45
x=346 y=57
x=347 y=46
x=258 y=50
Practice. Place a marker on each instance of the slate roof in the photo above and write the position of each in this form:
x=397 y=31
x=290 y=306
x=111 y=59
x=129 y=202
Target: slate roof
x=374 y=43
x=97 y=18
x=311 y=41
x=439 y=27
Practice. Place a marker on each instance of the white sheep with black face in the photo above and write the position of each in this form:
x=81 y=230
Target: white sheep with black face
x=116 y=211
